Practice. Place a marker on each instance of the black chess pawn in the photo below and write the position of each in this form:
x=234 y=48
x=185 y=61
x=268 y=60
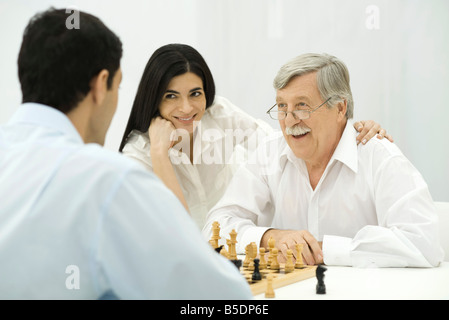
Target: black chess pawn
x=256 y=274
x=237 y=263
x=320 y=286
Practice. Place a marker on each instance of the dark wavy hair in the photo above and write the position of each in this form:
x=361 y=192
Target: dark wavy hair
x=166 y=62
x=56 y=64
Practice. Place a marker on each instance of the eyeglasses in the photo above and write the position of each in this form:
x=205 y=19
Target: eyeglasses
x=298 y=114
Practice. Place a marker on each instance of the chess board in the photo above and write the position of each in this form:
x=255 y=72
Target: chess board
x=280 y=277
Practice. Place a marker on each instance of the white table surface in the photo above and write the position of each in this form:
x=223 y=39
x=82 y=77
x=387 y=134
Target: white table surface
x=373 y=284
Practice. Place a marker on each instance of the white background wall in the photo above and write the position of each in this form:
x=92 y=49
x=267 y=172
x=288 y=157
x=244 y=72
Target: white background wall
x=397 y=52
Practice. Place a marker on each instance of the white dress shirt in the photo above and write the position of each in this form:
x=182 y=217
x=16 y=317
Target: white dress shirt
x=371 y=207
x=78 y=221
x=225 y=136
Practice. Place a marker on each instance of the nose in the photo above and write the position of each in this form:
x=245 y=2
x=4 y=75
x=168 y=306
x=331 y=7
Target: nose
x=290 y=119
x=185 y=107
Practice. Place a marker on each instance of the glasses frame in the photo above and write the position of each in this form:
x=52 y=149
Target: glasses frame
x=296 y=113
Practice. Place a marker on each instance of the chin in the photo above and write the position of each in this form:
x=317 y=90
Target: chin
x=297 y=150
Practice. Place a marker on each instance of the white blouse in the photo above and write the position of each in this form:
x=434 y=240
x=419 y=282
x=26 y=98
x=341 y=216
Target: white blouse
x=223 y=139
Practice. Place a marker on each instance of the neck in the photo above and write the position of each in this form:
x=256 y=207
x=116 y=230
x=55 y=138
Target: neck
x=317 y=165
x=86 y=123
x=79 y=118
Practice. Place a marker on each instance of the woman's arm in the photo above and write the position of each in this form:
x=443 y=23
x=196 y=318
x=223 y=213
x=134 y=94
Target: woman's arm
x=161 y=132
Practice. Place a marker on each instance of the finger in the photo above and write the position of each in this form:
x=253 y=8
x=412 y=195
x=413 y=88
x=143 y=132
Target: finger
x=369 y=133
x=358 y=126
x=284 y=247
x=364 y=131
x=307 y=255
x=158 y=118
x=389 y=137
x=283 y=252
x=381 y=134
x=314 y=247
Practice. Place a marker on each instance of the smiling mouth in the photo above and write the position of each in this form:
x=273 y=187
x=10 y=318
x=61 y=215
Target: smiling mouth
x=299 y=136
x=186 y=119
x=297 y=132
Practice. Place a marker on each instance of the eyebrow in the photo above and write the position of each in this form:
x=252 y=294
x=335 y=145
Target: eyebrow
x=176 y=92
x=307 y=99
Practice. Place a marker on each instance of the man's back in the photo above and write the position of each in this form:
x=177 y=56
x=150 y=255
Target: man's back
x=78 y=221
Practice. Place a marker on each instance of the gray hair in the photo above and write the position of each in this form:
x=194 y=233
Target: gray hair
x=332 y=77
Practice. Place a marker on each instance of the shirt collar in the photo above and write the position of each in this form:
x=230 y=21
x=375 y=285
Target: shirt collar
x=346 y=151
x=42 y=115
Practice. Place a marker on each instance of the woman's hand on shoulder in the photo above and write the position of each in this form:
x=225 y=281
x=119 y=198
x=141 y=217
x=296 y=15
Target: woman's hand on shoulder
x=368 y=129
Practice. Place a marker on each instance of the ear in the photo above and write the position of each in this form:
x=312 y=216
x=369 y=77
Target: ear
x=99 y=86
x=342 y=107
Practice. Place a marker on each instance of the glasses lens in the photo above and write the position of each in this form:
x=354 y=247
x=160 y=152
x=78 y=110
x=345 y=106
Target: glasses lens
x=301 y=114
x=277 y=115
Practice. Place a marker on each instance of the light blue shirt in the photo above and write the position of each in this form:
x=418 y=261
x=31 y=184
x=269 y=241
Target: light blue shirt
x=78 y=221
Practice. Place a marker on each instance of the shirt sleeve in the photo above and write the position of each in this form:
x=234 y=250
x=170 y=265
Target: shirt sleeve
x=250 y=216
x=138 y=149
x=407 y=230
x=149 y=248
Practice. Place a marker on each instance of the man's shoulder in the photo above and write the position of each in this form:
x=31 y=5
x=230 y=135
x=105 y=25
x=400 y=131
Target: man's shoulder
x=380 y=154
x=106 y=160
x=380 y=147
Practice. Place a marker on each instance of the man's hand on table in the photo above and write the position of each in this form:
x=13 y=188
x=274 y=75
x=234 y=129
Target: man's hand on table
x=286 y=239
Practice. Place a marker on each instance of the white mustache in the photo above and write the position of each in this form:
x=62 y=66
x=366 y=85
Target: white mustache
x=296 y=130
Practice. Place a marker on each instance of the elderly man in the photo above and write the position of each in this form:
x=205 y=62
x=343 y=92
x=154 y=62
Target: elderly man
x=349 y=204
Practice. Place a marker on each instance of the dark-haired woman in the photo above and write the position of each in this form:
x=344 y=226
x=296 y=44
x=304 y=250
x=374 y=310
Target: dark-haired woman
x=198 y=139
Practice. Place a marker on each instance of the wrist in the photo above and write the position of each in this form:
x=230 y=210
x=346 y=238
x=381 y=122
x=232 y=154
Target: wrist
x=265 y=237
x=158 y=152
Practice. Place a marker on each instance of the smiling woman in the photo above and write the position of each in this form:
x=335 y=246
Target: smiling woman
x=160 y=84
x=184 y=101
x=191 y=139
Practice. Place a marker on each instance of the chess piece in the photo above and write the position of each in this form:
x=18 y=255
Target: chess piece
x=289 y=266
x=215 y=234
x=256 y=274
x=299 y=263
x=271 y=244
x=320 y=286
x=228 y=242
x=224 y=253
x=232 y=242
x=218 y=249
x=274 y=260
x=270 y=292
x=252 y=252
x=263 y=262
x=237 y=263
x=246 y=261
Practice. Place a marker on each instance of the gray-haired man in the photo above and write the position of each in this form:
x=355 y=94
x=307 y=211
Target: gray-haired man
x=350 y=205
